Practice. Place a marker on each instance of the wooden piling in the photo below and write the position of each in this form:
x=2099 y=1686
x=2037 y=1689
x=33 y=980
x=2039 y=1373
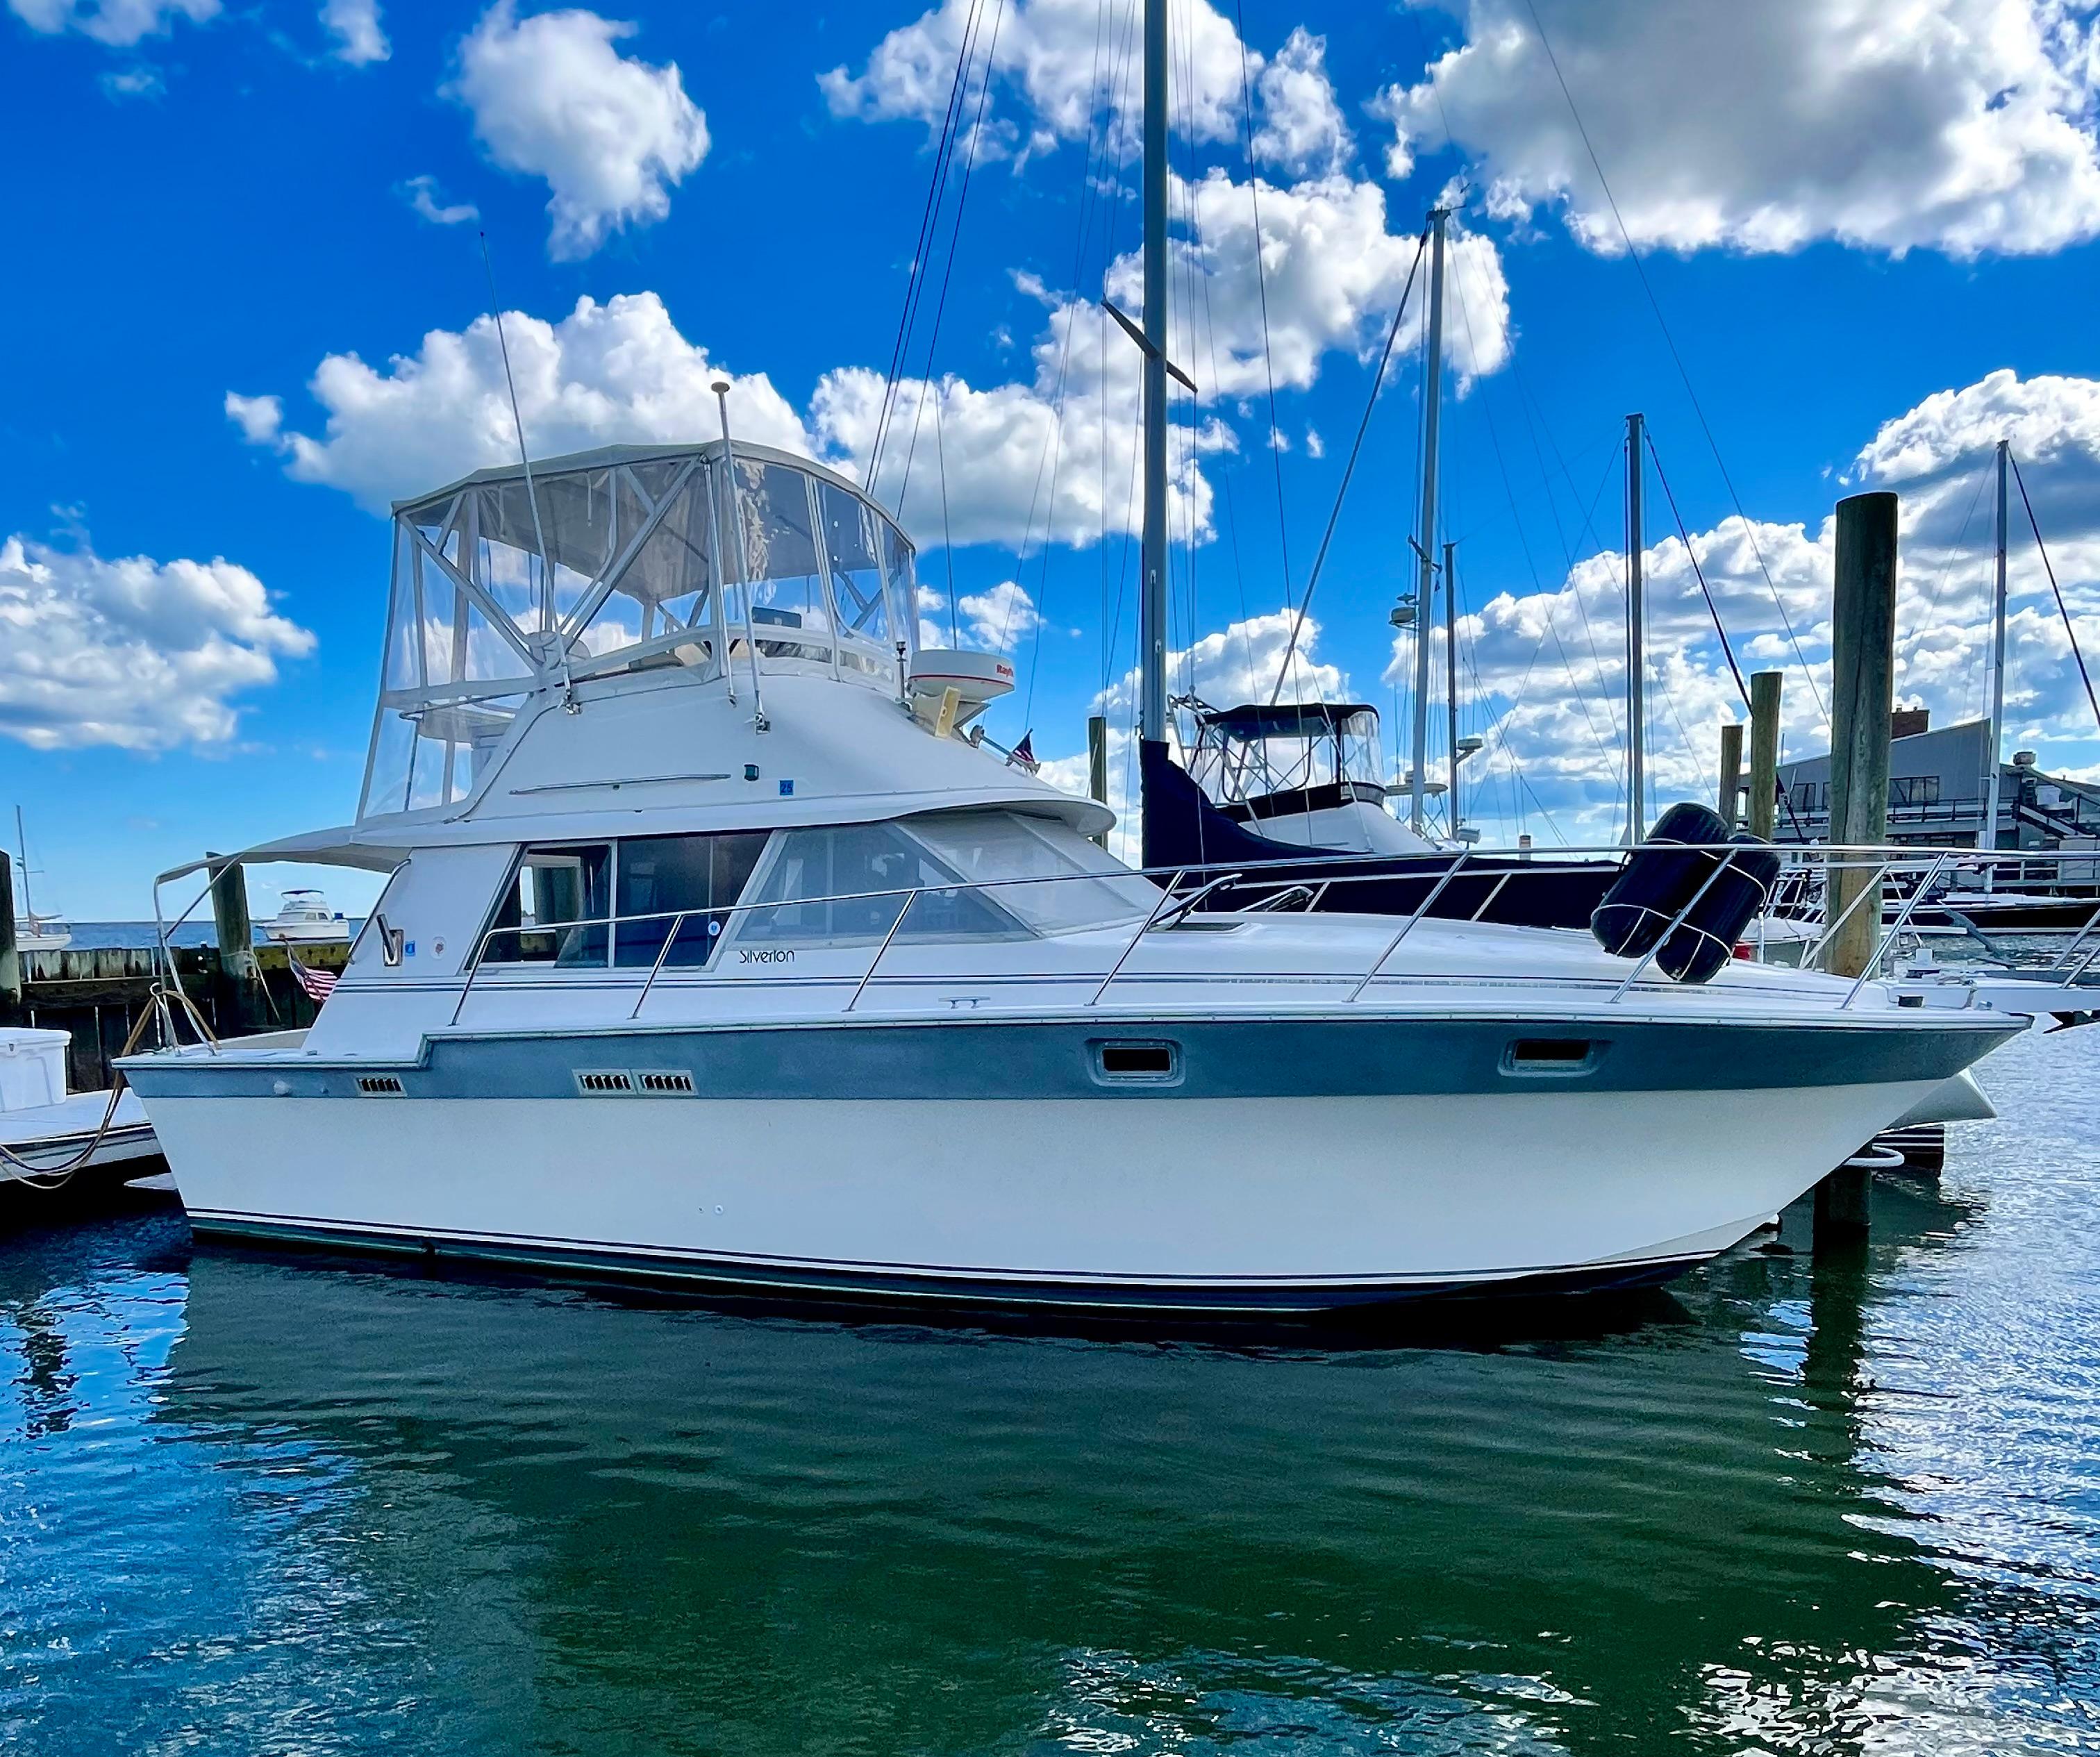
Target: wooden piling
x=236 y=947
x=1728 y=799
x=1843 y=1200
x=1763 y=814
x=1098 y=764
x=1863 y=661
x=10 y=959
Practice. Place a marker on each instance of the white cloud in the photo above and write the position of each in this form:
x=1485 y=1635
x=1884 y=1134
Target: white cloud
x=614 y=373
x=1001 y=618
x=134 y=652
x=1237 y=664
x=551 y=96
x=120 y=24
x=1058 y=56
x=354 y=25
x=1558 y=656
x=1963 y=125
x=422 y=195
x=1302 y=131
x=140 y=81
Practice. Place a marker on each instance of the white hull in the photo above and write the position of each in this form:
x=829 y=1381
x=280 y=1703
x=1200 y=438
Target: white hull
x=1225 y=1204
x=306 y=932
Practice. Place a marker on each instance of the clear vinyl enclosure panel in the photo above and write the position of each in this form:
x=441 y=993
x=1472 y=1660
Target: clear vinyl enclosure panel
x=615 y=561
x=1254 y=753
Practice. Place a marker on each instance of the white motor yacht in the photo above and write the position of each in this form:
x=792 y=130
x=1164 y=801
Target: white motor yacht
x=303 y=918
x=714 y=948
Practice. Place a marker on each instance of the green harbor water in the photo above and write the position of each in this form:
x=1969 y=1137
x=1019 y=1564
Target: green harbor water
x=1845 y=1504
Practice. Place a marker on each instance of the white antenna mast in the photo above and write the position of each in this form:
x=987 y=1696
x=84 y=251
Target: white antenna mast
x=531 y=495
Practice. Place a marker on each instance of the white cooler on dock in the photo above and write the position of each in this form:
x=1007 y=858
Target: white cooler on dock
x=33 y=1069
x=43 y=1128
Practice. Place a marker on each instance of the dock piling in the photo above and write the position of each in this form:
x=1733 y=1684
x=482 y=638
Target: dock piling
x=1098 y=764
x=1764 y=813
x=237 y=945
x=1728 y=794
x=10 y=959
x=1863 y=659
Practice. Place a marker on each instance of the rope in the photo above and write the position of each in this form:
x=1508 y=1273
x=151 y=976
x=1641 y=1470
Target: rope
x=50 y=1179
x=1356 y=450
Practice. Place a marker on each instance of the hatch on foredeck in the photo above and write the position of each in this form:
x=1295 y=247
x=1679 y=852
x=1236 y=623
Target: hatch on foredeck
x=618 y=560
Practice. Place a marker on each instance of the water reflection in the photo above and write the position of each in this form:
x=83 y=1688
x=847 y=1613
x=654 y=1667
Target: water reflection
x=259 y=1506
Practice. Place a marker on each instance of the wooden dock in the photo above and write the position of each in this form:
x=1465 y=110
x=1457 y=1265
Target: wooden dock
x=95 y=994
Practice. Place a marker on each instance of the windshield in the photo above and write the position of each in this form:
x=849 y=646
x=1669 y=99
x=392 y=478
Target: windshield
x=987 y=846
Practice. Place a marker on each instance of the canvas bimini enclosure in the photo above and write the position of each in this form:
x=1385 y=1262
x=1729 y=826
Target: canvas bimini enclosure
x=618 y=560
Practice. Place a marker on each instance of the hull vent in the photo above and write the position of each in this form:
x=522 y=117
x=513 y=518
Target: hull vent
x=667 y=1083
x=604 y=1082
x=380 y=1085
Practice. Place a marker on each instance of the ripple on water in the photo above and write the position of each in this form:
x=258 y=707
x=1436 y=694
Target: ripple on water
x=250 y=1506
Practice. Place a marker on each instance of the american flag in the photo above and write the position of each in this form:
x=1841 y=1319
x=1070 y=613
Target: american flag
x=319 y=984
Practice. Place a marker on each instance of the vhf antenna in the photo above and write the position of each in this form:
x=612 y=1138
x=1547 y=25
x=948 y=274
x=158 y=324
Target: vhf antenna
x=531 y=495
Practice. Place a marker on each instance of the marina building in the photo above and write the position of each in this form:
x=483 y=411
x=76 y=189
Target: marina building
x=1938 y=793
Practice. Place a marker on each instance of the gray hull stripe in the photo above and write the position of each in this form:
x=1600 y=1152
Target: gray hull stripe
x=971 y=1059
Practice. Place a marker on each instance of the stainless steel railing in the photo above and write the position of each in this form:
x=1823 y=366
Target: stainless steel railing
x=1912 y=878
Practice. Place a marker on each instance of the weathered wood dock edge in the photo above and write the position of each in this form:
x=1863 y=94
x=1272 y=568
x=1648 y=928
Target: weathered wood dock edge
x=95 y=994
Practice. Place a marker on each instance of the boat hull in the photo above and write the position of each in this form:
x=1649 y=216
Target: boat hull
x=1262 y=1180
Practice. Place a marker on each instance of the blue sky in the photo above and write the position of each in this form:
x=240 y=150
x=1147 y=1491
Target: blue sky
x=247 y=308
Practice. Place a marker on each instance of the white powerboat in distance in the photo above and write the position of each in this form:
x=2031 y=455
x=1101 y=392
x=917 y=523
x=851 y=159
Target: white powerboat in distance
x=303 y=918
x=713 y=949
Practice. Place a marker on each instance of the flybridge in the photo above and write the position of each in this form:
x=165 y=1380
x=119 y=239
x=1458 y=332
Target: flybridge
x=616 y=561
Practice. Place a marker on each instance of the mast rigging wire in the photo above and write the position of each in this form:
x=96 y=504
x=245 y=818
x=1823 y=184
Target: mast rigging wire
x=2085 y=676
x=1671 y=341
x=1698 y=572
x=1348 y=471
x=914 y=281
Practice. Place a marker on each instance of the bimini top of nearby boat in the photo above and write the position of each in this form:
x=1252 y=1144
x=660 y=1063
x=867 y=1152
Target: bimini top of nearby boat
x=545 y=629
x=1305 y=773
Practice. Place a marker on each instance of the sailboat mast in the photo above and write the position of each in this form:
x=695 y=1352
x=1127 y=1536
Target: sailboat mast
x=1987 y=835
x=1152 y=596
x=1636 y=653
x=1432 y=402
x=21 y=841
x=1451 y=680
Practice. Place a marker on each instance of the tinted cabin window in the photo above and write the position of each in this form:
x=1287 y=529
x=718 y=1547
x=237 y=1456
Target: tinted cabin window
x=554 y=909
x=660 y=875
x=846 y=884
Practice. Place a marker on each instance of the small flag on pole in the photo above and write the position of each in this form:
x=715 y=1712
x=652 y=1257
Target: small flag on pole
x=1023 y=754
x=318 y=984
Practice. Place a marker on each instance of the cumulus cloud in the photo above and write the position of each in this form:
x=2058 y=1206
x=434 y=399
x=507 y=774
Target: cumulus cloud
x=1550 y=667
x=1001 y=618
x=422 y=194
x=1302 y=131
x=140 y=81
x=552 y=97
x=1055 y=56
x=354 y=26
x=614 y=373
x=1961 y=126
x=119 y=24
x=1236 y=664
x=141 y=654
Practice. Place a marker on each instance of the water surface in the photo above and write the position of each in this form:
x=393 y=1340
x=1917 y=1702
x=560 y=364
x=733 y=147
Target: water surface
x=1851 y=1504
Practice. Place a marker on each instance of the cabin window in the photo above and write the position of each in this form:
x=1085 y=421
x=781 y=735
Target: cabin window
x=1093 y=889
x=659 y=876
x=554 y=909
x=847 y=883
x=853 y=544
